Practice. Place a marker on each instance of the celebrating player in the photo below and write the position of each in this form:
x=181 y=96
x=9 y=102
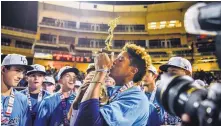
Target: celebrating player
x=127 y=105
x=53 y=109
x=14 y=105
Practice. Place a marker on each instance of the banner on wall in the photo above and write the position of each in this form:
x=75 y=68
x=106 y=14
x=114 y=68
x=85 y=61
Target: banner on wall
x=73 y=58
x=43 y=56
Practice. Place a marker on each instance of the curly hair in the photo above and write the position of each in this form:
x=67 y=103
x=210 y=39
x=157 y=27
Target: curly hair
x=138 y=58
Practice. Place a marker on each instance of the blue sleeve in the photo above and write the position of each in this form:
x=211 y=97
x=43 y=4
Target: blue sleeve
x=26 y=118
x=89 y=114
x=154 y=118
x=42 y=117
x=125 y=111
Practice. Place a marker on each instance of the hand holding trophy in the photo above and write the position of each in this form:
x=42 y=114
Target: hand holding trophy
x=104 y=60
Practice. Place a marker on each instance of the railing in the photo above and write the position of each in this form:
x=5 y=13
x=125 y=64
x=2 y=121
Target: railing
x=207 y=53
x=183 y=55
x=23 y=46
x=88 y=46
x=120 y=47
x=50 y=51
x=123 y=30
x=88 y=28
x=51 y=42
x=61 y=52
x=178 y=46
x=19 y=30
x=53 y=24
x=81 y=54
x=66 y=42
x=159 y=55
x=46 y=42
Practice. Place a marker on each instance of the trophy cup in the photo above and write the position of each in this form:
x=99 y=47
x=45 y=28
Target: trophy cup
x=108 y=42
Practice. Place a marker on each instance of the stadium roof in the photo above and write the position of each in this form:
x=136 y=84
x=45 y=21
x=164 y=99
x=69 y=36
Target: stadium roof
x=128 y=2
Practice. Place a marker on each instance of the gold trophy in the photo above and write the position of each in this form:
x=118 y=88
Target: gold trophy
x=108 y=42
x=112 y=24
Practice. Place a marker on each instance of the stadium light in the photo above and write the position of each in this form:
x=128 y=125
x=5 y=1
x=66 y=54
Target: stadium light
x=173 y=21
x=153 y=23
x=163 y=22
x=171 y=24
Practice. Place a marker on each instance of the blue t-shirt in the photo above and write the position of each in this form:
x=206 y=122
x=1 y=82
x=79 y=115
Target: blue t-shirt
x=170 y=120
x=34 y=99
x=50 y=112
x=20 y=115
x=128 y=108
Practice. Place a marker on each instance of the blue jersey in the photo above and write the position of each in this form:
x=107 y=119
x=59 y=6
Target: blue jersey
x=165 y=117
x=128 y=108
x=20 y=115
x=50 y=112
x=34 y=99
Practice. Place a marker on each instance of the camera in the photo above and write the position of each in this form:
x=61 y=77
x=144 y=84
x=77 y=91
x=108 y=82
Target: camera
x=179 y=95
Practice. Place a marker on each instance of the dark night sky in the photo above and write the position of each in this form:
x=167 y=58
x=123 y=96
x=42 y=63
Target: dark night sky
x=23 y=14
x=19 y=14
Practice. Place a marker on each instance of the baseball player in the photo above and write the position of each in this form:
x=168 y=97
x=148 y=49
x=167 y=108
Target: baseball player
x=34 y=91
x=53 y=109
x=14 y=105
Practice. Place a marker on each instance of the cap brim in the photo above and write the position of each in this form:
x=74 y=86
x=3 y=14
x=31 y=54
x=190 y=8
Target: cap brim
x=31 y=72
x=27 y=67
x=75 y=70
x=48 y=83
x=164 y=67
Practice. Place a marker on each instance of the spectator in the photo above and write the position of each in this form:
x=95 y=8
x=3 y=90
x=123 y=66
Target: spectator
x=49 y=84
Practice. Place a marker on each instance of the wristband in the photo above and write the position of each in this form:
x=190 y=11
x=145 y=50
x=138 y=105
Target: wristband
x=96 y=82
x=102 y=70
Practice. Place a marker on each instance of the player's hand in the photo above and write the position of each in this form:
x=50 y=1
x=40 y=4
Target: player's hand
x=83 y=88
x=85 y=85
x=103 y=61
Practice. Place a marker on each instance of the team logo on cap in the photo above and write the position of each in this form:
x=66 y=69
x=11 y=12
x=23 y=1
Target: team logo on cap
x=37 y=67
x=23 y=60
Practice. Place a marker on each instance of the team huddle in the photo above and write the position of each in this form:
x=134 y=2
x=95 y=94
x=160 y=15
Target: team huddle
x=113 y=93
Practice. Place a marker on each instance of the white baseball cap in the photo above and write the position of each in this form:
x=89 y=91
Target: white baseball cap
x=49 y=79
x=16 y=60
x=78 y=83
x=37 y=68
x=178 y=62
x=90 y=67
x=66 y=69
x=153 y=69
